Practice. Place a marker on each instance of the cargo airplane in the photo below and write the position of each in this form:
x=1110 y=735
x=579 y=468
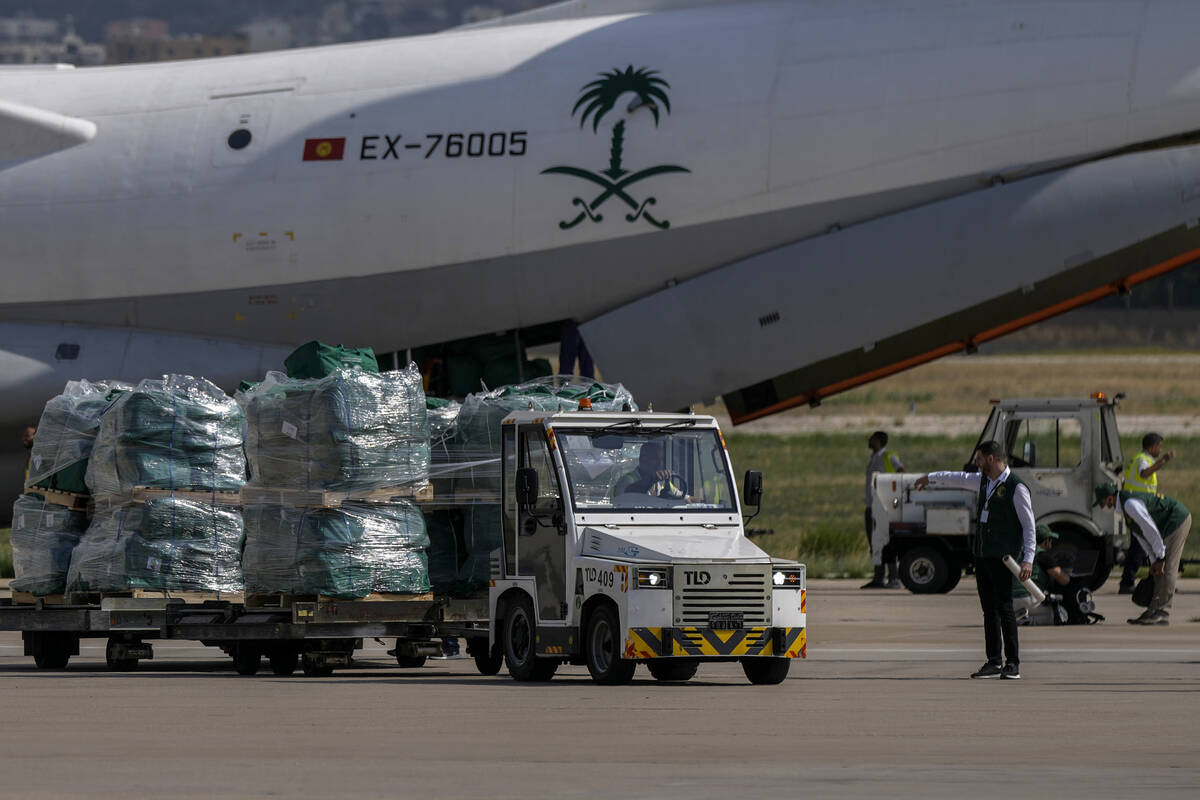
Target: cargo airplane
x=765 y=201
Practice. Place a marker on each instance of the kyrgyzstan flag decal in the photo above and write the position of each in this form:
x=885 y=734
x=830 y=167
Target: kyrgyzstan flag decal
x=324 y=149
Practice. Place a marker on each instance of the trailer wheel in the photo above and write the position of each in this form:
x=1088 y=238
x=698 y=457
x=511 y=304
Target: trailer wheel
x=487 y=660
x=51 y=651
x=520 y=648
x=118 y=664
x=313 y=668
x=603 y=645
x=283 y=662
x=923 y=570
x=246 y=659
x=411 y=661
x=765 y=671
x=672 y=670
x=953 y=576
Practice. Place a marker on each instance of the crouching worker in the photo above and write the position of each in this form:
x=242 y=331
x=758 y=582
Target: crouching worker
x=1052 y=574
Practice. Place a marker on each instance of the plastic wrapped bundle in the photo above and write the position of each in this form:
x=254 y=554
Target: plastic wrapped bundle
x=180 y=433
x=66 y=433
x=443 y=419
x=345 y=553
x=473 y=454
x=43 y=536
x=352 y=430
x=165 y=544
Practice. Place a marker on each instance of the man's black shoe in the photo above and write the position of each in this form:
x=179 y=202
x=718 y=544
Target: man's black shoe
x=988 y=670
x=874 y=585
x=1123 y=589
x=1011 y=672
x=894 y=583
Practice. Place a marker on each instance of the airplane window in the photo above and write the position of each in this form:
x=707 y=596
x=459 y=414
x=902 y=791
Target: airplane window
x=239 y=138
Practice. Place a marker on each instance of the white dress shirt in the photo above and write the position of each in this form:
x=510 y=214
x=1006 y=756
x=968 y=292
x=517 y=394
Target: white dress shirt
x=1021 y=501
x=1146 y=532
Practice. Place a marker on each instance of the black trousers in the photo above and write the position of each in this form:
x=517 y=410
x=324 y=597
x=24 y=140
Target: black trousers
x=994 y=582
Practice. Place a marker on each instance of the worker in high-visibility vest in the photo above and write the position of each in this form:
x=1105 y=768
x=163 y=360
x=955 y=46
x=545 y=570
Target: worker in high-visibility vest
x=1141 y=475
x=882 y=460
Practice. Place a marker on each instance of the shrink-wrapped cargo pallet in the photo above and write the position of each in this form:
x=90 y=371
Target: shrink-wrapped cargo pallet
x=466 y=471
x=43 y=537
x=349 y=431
x=66 y=433
x=178 y=432
x=345 y=553
x=168 y=544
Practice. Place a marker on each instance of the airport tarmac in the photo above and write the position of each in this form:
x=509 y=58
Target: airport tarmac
x=882 y=707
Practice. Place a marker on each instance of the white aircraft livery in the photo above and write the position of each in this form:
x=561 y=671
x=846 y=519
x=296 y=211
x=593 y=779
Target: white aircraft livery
x=766 y=201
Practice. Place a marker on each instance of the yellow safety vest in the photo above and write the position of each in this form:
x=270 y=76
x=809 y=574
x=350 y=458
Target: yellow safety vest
x=1134 y=482
x=887 y=460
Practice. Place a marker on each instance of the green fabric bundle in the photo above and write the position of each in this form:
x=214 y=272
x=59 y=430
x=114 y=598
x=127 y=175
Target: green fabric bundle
x=179 y=433
x=162 y=544
x=66 y=433
x=43 y=537
x=352 y=430
x=317 y=360
x=346 y=553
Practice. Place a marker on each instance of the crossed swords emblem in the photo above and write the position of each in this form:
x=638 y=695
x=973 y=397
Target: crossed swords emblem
x=614 y=188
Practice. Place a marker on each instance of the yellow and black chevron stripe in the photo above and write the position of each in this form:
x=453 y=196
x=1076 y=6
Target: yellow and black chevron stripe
x=643 y=643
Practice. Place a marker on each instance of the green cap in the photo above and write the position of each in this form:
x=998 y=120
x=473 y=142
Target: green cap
x=1043 y=533
x=1103 y=491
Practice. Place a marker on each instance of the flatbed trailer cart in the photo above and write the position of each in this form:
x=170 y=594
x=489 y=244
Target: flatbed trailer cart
x=317 y=634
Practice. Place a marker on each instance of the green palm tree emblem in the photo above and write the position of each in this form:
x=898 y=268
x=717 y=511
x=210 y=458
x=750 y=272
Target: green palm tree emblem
x=598 y=99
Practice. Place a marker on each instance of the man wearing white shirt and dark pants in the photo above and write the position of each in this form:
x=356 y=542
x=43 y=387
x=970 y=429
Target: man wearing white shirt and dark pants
x=1162 y=525
x=1005 y=527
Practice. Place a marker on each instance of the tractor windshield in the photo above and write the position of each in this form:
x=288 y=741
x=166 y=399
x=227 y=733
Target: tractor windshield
x=648 y=469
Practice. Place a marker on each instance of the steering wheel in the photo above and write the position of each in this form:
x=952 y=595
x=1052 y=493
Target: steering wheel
x=680 y=484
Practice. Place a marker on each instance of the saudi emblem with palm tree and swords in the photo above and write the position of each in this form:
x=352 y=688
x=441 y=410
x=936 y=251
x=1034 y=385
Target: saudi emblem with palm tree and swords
x=599 y=97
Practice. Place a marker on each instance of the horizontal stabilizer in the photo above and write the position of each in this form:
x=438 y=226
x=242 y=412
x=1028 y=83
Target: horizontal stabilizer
x=28 y=132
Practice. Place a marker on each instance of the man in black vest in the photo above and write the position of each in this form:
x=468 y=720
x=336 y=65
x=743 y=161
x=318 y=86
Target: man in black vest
x=1005 y=527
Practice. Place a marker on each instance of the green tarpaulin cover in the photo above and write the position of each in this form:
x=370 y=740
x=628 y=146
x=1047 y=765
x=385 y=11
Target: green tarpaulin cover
x=317 y=360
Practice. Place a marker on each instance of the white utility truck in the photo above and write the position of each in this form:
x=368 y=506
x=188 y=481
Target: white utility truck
x=1062 y=448
x=624 y=543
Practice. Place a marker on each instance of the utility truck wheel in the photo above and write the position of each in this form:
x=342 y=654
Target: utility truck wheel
x=603 y=644
x=672 y=670
x=487 y=660
x=520 y=650
x=953 y=576
x=283 y=662
x=765 y=671
x=246 y=659
x=1073 y=540
x=923 y=570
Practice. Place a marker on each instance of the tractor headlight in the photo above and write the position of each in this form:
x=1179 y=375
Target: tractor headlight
x=788 y=578
x=653 y=578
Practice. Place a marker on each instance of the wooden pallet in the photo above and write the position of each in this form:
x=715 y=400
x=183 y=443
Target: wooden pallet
x=20 y=598
x=170 y=594
x=281 y=600
x=71 y=500
x=322 y=498
x=222 y=498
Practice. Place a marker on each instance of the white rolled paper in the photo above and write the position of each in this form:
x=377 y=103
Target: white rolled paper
x=1034 y=590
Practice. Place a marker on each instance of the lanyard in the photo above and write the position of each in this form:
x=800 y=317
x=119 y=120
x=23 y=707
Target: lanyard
x=988 y=495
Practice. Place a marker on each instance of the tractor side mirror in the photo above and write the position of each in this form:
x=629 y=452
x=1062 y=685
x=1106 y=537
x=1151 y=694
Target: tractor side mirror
x=752 y=490
x=527 y=487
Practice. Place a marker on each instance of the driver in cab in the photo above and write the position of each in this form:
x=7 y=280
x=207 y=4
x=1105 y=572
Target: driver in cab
x=651 y=476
